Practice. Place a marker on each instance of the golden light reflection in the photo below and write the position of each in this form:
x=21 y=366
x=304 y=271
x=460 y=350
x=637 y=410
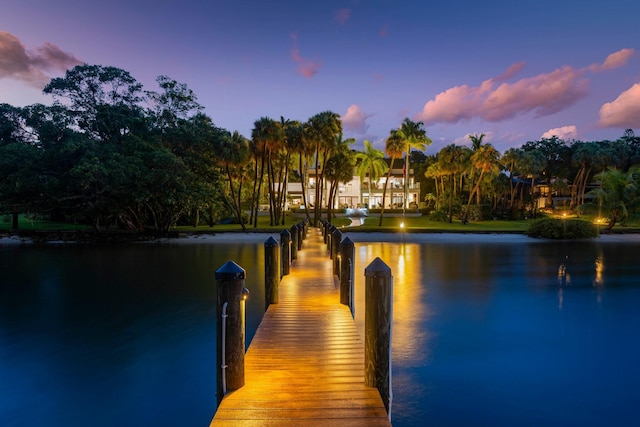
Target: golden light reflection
x=410 y=338
x=599 y=265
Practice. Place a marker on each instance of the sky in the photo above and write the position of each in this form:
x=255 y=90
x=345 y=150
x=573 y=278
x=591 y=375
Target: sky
x=516 y=71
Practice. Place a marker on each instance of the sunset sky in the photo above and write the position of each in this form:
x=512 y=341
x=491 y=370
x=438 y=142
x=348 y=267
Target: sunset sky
x=516 y=71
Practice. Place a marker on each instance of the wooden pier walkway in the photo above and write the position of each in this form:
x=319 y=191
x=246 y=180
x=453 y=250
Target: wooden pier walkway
x=305 y=364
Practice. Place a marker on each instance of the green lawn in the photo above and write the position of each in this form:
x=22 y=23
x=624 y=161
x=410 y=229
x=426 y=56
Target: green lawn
x=30 y=224
x=390 y=224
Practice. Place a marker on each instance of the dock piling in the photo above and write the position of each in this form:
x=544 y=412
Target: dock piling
x=377 y=329
x=231 y=292
x=271 y=270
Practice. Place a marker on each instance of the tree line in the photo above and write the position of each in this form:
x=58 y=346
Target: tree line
x=577 y=174
x=109 y=153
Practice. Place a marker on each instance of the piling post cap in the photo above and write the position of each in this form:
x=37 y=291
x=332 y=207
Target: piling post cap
x=230 y=270
x=285 y=233
x=377 y=267
x=335 y=232
x=270 y=242
x=347 y=242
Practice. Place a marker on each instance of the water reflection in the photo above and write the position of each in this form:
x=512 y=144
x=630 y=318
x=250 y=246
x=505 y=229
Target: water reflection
x=474 y=324
x=522 y=324
x=409 y=296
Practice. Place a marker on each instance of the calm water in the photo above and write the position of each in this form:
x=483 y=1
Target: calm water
x=485 y=333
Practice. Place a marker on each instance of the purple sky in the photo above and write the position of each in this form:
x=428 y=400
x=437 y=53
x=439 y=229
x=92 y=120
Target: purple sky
x=516 y=71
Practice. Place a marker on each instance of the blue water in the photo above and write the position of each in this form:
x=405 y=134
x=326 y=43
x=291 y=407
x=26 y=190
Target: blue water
x=488 y=334
x=483 y=334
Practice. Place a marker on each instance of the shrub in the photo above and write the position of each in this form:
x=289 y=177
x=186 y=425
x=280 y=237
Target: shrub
x=554 y=228
x=479 y=212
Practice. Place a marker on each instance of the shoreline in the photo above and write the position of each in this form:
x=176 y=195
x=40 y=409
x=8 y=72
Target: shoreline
x=430 y=236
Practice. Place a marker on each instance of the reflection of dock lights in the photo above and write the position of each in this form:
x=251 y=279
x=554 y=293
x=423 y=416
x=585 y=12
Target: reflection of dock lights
x=245 y=294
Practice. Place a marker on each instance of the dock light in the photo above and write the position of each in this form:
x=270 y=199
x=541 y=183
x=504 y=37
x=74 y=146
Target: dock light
x=402 y=224
x=245 y=294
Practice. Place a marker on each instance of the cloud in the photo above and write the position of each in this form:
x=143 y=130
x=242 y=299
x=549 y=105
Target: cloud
x=16 y=62
x=384 y=31
x=564 y=132
x=614 y=60
x=342 y=16
x=624 y=111
x=510 y=73
x=355 y=120
x=306 y=67
x=496 y=100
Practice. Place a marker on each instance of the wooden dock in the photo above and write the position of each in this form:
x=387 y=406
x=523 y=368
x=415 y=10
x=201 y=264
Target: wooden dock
x=305 y=364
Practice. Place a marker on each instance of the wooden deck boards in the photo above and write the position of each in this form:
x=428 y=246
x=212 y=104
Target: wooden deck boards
x=305 y=364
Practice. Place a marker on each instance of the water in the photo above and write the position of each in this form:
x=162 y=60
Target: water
x=113 y=336
x=485 y=333
x=489 y=334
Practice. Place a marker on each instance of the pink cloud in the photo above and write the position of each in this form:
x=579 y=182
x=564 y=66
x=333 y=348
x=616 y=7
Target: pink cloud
x=614 y=60
x=624 y=111
x=564 y=132
x=384 y=31
x=342 y=16
x=355 y=119
x=495 y=100
x=510 y=73
x=16 y=62
x=306 y=67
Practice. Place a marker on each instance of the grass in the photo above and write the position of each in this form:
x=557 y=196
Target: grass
x=30 y=224
x=390 y=224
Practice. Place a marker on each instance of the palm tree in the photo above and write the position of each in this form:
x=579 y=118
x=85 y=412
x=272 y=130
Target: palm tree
x=322 y=128
x=415 y=137
x=394 y=147
x=434 y=171
x=618 y=191
x=451 y=161
x=233 y=152
x=533 y=164
x=484 y=160
x=297 y=143
x=371 y=163
x=476 y=143
x=512 y=160
x=269 y=134
x=339 y=169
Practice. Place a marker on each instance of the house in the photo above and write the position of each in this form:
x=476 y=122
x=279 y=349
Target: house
x=358 y=193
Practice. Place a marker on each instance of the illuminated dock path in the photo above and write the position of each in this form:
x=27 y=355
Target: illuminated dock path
x=305 y=364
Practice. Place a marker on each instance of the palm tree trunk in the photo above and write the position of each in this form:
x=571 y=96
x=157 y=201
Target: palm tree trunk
x=255 y=223
x=316 y=207
x=451 y=185
x=305 y=179
x=384 y=191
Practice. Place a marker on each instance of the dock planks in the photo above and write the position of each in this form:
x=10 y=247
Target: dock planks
x=305 y=364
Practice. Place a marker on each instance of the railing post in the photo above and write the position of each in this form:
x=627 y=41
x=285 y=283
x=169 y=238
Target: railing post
x=330 y=229
x=336 y=238
x=300 y=229
x=231 y=327
x=377 y=329
x=285 y=252
x=294 y=242
x=271 y=272
x=347 y=253
x=325 y=231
